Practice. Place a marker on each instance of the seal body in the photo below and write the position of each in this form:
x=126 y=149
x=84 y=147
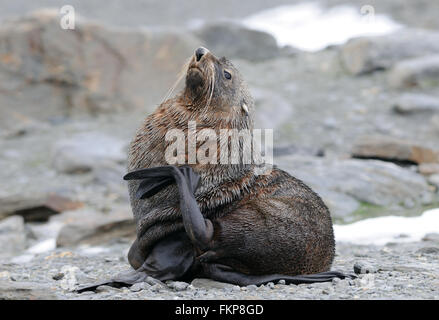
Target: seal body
x=263 y=224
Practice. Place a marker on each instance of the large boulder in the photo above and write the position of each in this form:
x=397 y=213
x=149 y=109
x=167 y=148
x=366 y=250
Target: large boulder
x=36 y=206
x=85 y=151
x=369 y=181
x=236 y=41
x=367 y=54
x=393 y=149
x=47 y=72
x=12 y=235
x=411 y=103
x=416 y=72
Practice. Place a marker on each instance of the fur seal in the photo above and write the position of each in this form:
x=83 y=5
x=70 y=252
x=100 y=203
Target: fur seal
x=220 y=221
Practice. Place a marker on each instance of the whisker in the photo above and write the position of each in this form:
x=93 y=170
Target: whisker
x=180 y=76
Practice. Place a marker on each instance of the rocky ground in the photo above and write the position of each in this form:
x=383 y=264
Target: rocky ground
x=393 y=271
x=358 y=122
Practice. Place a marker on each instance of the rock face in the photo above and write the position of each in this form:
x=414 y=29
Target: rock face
x=365 y=55
x=416 y=103
x=47 y=73
x=10 y=290
x=92 y=228
x=417 y=72
x=393 y=149
x=370 y=181
x=12 y=235
x=86 y=151
x=429 y=168
x=235 y=41
x=36 y=207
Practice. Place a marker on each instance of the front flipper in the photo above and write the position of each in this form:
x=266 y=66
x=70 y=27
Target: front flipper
x=170 y=259
x=226 y=274
x=199 y=229
x=156 y=179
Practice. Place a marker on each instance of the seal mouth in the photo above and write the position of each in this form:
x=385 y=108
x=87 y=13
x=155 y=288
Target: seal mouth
x=195 y=78
x=200 y=76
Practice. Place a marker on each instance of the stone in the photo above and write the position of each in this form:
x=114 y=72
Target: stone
x=140 y=286
x=283 y=150
x=14 y=290
x=367 y=54
x=96 y=233
x=428 y=250
x=410 y=103
x=12 y=235
x=85 y=151
x=36 y=206
x=393 y=149
x=210 y=284
x=373 y=182
x=236 y=41
x=178 y=285
x=73 y=276
x=428 y=168
x=362 y=268
x=434 y=180
x=340 y=205
x=431 y=237
x=417 y=72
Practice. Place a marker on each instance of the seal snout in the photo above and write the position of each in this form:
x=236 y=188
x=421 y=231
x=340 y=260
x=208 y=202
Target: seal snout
x=200 y=52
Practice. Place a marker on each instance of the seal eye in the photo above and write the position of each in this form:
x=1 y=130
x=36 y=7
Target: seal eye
x=227 y=75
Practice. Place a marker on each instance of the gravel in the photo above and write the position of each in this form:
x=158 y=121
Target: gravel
x=393 y=271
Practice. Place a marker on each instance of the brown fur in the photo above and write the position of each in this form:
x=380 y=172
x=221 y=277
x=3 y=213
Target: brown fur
x=263 y=224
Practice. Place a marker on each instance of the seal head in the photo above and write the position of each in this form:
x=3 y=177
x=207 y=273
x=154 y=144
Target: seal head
x=214 y=83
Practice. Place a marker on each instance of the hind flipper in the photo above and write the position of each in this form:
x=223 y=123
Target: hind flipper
x=223 y=273
x=170 y=259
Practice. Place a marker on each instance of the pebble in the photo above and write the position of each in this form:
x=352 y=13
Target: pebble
x=178 y=285
x=360 y=268
x=139 y=286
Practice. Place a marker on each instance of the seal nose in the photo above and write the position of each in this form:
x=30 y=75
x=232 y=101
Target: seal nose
x=200 y=52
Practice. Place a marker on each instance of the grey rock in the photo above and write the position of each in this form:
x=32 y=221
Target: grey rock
x=362 y=268
x=140 y=286
x=434 y=180
x=36 y=206
x=273 y=109
x=14 y=290
x=417 y=72
x=367 y=54
x=178 y=285
x=12 y=235
x=283 y=150
x=88 y=70
x=372 y=181
x=210 y=284
x=110 y=175
x=416 y=103
x=96 y=233
x=428 y=250
x=393 y=149
x=340 y=205
x=107 y=289
x=236 y=41
x=73 y=276
x=85 y=151
x=428 y=168
x=431 y=237
x=252 y=287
